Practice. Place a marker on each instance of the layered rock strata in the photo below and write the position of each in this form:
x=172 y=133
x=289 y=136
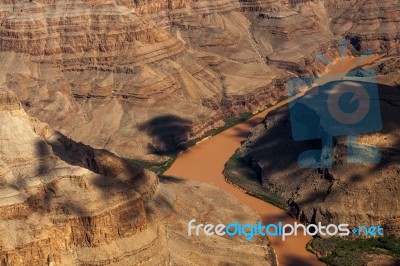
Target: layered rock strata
x=357 y=194
x=103 y=72
x=65 y=203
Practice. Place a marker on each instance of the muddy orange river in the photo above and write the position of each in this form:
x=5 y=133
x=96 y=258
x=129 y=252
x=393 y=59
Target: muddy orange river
x=205 y=162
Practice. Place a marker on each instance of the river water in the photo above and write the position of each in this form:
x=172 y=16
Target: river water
x=205 y=162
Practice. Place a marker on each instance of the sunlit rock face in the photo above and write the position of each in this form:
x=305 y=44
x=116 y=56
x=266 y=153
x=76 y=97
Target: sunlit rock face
x=359 y=193
x=356 y=194
x=51 y=202
x=103 y=72
x=65 y=203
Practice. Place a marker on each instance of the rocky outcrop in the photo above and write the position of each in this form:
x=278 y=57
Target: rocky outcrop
x=50 y=204
x=367 y=24
x=138 y=78
x=357 y=194
x=388 y=70
x=9 y=101
x=100 y=71
x=108 y=69
x=65 y=203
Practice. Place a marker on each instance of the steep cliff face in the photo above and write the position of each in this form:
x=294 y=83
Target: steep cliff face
x=97 y=71
x=366 y=194
x=357 y=194
x=104 y=72
x=39 y=214
x=368 y=24
x=64 y=203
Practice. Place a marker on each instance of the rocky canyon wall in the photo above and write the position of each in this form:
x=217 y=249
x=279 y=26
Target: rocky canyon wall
x=108 y=73
x=65 y=203
x=353 y=193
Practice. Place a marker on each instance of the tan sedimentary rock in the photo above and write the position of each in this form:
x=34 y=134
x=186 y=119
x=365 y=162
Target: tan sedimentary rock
x=49 y=203
x=139 y=78
x=357 y=194
x=65 y=203
x=103 y=72
x=175 y=203
x=99 y=71
x=369 y=24
x=9 y=101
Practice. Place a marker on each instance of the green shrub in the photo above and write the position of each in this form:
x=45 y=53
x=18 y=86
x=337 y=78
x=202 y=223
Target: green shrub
x=344 y=251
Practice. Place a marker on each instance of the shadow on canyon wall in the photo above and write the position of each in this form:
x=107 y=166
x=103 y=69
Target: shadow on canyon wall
x=168 y=134
x=114 y=173
x=166 y=179
x=275 y=151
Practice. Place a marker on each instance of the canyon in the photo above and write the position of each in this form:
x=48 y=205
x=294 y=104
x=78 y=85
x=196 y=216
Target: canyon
x=65 y=203
x=109 y=73
x=268 y=165
x=366 y=190
x=87 y=84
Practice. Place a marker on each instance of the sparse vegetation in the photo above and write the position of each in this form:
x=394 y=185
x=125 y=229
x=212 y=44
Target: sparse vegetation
x=238 y=172
x=282 y=98
x=271 y=198
x=160 y=167
x=230 y=121
x=343 y=251
x=157 y=167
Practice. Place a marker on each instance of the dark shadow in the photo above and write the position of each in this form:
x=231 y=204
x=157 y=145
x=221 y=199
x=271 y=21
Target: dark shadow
x=114 y=174
x=273 y=154
x=356 y=178
x=99 y=161
x=248 y=124
x=297 y=261
x=42 y=200
x=42 y=152
x=170 y=179
x=356 y=42
x=168 y=134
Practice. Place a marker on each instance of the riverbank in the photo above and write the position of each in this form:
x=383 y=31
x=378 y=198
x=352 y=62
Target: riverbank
x=160 y=167
x=239 y=173
x=205 y=162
